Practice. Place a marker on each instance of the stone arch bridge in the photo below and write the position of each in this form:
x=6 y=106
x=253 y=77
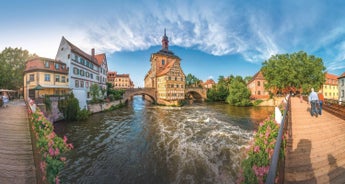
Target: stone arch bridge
x=195 y=93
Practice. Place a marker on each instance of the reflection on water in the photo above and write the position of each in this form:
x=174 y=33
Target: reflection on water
x=151 y=144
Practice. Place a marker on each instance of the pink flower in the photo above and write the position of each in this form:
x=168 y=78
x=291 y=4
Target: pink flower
x=65 y=139
x=63 y=159
x=70 y=146
x=57 y=180
x=51 y=151
x=43 y=166
x=256 y=149
x=57 y=151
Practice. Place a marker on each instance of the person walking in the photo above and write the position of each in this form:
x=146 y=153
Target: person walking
x=321 y=100
x=313 y=100
x=5 y=100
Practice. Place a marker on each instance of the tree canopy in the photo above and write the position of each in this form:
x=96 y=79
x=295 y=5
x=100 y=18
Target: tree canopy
x=192 y=81
x=239 y=94
x=12 y=65
x=291 y=72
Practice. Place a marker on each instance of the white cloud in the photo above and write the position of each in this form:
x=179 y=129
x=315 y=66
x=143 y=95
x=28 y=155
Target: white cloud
x=212 y=27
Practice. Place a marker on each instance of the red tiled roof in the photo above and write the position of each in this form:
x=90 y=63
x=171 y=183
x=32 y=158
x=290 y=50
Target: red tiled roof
x=38 y=64
x=257 y=76
x=100 y=58
x=166 y=69
x=331 y=76
x=210 y=81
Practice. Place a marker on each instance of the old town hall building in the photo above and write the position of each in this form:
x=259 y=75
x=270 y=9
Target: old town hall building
x=166 y=75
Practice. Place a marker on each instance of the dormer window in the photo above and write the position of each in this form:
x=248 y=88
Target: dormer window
x=56 y=66
x=46 y=64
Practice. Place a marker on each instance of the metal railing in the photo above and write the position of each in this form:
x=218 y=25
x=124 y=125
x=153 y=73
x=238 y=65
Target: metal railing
x=284 y=126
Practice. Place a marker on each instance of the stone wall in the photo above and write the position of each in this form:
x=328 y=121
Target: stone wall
x=99 y=107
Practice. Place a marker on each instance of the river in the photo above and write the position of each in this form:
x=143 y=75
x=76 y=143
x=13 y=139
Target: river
x=142 y=143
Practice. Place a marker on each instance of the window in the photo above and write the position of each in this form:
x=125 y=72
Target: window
x=81 y=84
x=175 y=78
x=342 y=82
x=61 y=48
x=86 y=84
x=63 y=79
x=342 y=93
x=163 y=62
x=76 y=83
x=62 y=66
x=82 y=61
x=46 y=64
x=76 y=58
x=91 y=66
x=91 y=75
x=87 y=63
x=75 y=71
x=47 y=77
x=57 y=78
x=32 y=77
x=259 y=92
x=97 y=78
x=69 y=56
x=258 y=83
x=82 y=72
x=87 y=74
x=169 y=78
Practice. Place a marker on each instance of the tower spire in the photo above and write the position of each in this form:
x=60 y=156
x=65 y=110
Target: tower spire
x=165 y=41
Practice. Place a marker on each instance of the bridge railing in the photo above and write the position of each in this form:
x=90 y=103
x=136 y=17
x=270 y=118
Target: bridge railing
x=276 y=163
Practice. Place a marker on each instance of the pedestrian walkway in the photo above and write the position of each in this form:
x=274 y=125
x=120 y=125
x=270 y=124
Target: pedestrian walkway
x=16 y=155
x=318 y=147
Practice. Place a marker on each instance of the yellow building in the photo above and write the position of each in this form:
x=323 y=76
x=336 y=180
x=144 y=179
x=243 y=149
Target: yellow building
x=330 y=88
x=43 y=76
x=166 y=75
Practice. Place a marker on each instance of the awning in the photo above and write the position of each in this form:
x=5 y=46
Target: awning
x=7 y=90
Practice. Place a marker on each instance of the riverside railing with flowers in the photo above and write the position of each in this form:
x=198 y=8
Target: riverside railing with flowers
x=49 y=145
x=267 y=145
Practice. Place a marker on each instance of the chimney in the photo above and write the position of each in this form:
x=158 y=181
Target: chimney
x=93 y=52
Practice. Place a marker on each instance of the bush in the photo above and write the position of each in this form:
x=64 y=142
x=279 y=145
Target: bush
x=255 y=167
x=83 y=115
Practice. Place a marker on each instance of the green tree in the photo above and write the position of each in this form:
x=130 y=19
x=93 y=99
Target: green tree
x=290 y=72
x=94 y=90
x=220 y=91
x=239 y=94
x=12 y=62
x=69 y=107
x=192 y=81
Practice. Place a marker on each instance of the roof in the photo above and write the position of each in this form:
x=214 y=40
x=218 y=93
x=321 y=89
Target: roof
x=100 y=58
x=80 y=52
x=257 y=76
x=331 y=76
x=37 y=64
x=342 y=75
x=122 y=75
x=209 y=81
x=166 y=69
x=168 y=53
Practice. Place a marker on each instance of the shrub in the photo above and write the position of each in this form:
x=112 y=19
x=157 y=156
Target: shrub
x=83 y=115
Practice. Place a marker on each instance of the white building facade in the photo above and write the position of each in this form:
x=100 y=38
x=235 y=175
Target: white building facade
x=84 y=70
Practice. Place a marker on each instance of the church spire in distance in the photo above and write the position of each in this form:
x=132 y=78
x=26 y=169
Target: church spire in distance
x=165 y=41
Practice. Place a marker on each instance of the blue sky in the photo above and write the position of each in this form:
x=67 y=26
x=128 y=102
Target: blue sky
x=212 y=38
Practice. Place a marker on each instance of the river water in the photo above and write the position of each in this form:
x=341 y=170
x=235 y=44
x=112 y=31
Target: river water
x=141 y=143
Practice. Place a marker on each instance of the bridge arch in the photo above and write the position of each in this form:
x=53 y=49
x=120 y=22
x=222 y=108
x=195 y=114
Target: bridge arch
x=199 y=94
x=139 y=91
